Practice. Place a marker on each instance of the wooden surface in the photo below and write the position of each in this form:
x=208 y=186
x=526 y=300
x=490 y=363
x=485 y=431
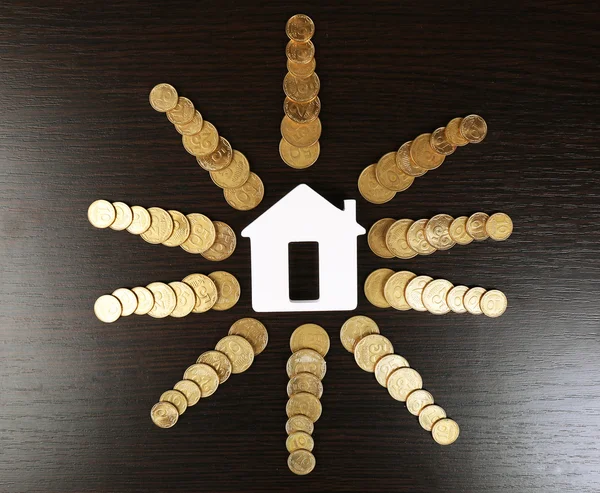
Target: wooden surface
x=76 y=126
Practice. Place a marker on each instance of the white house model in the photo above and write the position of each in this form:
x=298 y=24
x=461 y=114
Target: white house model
x=304 y=216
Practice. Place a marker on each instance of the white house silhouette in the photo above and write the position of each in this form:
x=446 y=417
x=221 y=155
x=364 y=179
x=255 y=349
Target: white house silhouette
x=304 y=216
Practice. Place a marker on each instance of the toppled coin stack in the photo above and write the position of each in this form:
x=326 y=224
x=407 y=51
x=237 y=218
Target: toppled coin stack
x=197 y=293
x=396 y=171
x=375 y=353
x=195 y=233
x=306 y=368
x=229 y=169
x=300 y=128
x=234 y=353
x=406 y=238
x=404 y=290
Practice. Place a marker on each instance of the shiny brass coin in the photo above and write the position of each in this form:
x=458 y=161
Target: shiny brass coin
x=430 y=415
x=455 y=299
x=374 y=287
x=107 y=308
x=300 y=52
x=145 y=300
x=205 y=291
x=473 y=128
x=437 y=232
x=403 y=381
x=452 y=133
x=161 y=226
x=224 y=244
x=371 y=190
x=493 y=303
x=192 y=127
x=476 y=226
x=396 y=239
x=370 y=349
x=300 y=134
x=202 y=143
x=306 y=360
x=423 y=154
x=123 y=218
x=141 y=220
x=435 y=295
x=176 y=398
x=205 y=376
x=458 y=231
x=246 y=197
x=219 y=159
x=302 y=89
x=302 y=112
x=304 y=403
x=416 y=238
x=499 y=226
x=414 y=292
x=128 y=300
x=472 y=300
x=406 y=163
x=101 y=214
x=394 y=289
x=165 y=300
x=376 y=237
x=300 y=28
x=182 y=113
x=390 y=176
x=354 y=329
x=238 y=350
x=417 y=400
x=299 y=157
x=440 y=144
x=302 y=69
x=299 y=440
x=310 y=336
x=185 y=299
x=164 y=414
x=299 y=423
x=202 y=234
x=386 y=365
x=253 y=331
x=181 y=229
x=445 y=431
x=219 y=362
x=190 y=390
x=163 y=97
x=301 y=462
x=234 y=175
x=228 y=290
x=305 y=382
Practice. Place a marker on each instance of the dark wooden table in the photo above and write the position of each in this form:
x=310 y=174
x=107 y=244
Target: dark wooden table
x=76 y=126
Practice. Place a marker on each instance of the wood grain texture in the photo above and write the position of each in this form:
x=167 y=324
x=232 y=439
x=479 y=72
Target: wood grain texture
x=76 y=126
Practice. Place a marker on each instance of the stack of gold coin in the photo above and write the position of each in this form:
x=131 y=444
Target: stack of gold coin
x=396 y=171
x=404 y=290
x=375 y=353
x=197 y=293
x=234 y=353
x=306 y=368
x=300 y=128
x=228 y=168
x=406 y=238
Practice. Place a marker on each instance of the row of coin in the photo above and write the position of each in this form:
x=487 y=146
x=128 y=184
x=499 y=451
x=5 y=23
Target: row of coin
x=197 y=293
x=229 y=169
x=404 y=290
x=234 y=353
x=396 y=171
x=306 y=368
x=406 y=238
x=195 y=233
x=300 y=128
x=375 y=353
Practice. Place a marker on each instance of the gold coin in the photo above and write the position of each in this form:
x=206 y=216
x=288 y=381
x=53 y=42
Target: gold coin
x=437 y=232
x=228 y=290
x=386 y=365
x=374 y=287
x=414 y=292
x=306 y=360
x=300 y=134
x=301 y=462
x=176 y=398
x=452 y=133
x=406 y=163
x=253 y=331
x=455 y=299
x=203 y=142
x=435 y=295
x=440 y=144
x=304 y=403
x=141 y=220
x=472 y=300
x=423 y=154
x=354 y=329
x=186 y=299
x=192 y=127
x=224 y=244
x=299 y=157
x=299 y=423
x=310 y=336
x=458 y=231
x=164 y=414
x=302 y=69
x=394 y=289
x=445 y=431
x=205 y=376
x=128 y=300
x=145 y=300
x=246 y=197
x=499 y=226
x=219 y=362
x=182 y=113
x=190 y=390
x=416 y=238
x=123 y=217
x=370 y=349
x=417 y=400
x=238 y=350
x=299 y=440
x=234 y=175
x=181 y=229
x=303 y=90
x=376 y=237
x=476 y=226
x=163 y=97
x=205 y=291
x=430 y=415
x=305 y=382
x=300 y=28
x=219 y=159
x=108 y=308
x=202 y=234
x=161 y=226
x=493 y=303
x=371 y=190
x=390 y=175
x=302 y=112
x=473 y=128
x=396 y=239
x=165 y=300
x=403 y=381
x=300 y=52
x=101 y=214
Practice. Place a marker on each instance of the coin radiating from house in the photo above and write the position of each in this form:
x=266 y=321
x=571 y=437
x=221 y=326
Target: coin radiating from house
x=123 y=217
x=101 y=213
x=440 y=143
x=108 y=308
x=476 y=226
x=176 y=398
x=161 y=226
x=202 y=234
x=302 y=112
x=300 y=28
x=414 y=292
x=493 y=303
x=202 y=143
x=437 y=232
x=306 y=360
x=416 y=238
x=205 y=291
x=376 y=237
x=224 y=244
x=302 y=69
x=472 y=300
x=247 y=196
x=455 y=299
x=185 y=299
x=219 y=362
x=181 y=229
x=191 y=391
x=305 y=382
x=386 y=365
x=374 y=287
x=300 y=52
x=402 y=382
x=423 y=154
x=499 y=226
x=458 y=231
x=218 y=159
x=238 y=350
x=371 y=190
x=299 y=440
x=435 y=295
x=406 y=163
x=452 y=133
x=299 y=157
x=145 y=300
x=205 y=376
x=430 y=415
x=304 y=403
x=300 y=134
x=163 y=97
x=310 y=336
x=301 y=89
x=234 y=175
x=473 y=128
x=354 y=329
x=417 y=400
x=193 y=127
x=445 y=431
x=394 y=289
x=141 y=220
x=254 y=331
x=228 y=290
x=165 y=299
x=128 y=300
x=182 y=113
x=370 y=349
x=301 y=462
x=396 y=239
x=390 y=175
x=299 y=423
x=164 y=414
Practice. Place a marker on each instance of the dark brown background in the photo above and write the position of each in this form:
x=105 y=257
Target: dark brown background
x=76 y=126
